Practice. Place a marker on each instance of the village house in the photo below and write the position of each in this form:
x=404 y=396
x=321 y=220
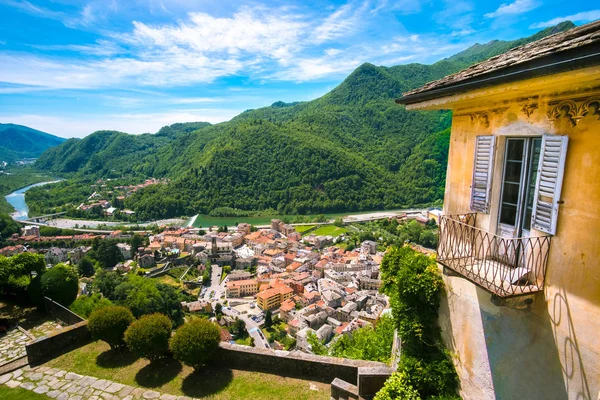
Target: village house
x=242 y=288
x=518 y=240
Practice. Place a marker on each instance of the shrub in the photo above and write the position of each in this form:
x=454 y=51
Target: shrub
x=60 y=283
x=149 y=336
x=194 y=343
x=85 y=305
x=109 y=324
x=397 y=387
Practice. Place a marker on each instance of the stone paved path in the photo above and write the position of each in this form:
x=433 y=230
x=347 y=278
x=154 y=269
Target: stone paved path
x=63 y=385
x=12 y=345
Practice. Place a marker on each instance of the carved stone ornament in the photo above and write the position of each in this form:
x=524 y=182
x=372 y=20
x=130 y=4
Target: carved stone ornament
x=574 y=110
x=528 y=109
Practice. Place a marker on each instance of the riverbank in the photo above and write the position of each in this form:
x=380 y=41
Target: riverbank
x=16 y=200
x=15 y=179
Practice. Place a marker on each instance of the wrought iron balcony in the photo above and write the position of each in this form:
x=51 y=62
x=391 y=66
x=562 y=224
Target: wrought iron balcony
x=503 y=266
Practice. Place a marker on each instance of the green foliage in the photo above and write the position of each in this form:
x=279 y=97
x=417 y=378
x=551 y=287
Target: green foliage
x=7 y=227
x=149 y=336
x=367 y=343
x=239 y=329
x=413 y=284
x=85 y=305
x=85 y=267
x=195 y=342
x=106 y=282
x=16 y=275
x=108 y=254
x=147 y=296
x=316 y=346
x=60 y=283
x=398 y=387
x=268 y=319
x=109 y=325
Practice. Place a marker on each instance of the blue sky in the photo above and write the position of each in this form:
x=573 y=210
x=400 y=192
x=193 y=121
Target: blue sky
x=72 y=67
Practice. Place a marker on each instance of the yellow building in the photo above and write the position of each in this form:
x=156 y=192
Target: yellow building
x=518 y=238
x=272 y=298
x=243 y=288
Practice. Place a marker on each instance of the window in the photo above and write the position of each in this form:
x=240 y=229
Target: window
x=531 y=184
x=519 y=182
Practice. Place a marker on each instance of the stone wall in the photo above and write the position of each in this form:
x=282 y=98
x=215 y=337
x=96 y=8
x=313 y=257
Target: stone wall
x=55 y=344
x=292 y=364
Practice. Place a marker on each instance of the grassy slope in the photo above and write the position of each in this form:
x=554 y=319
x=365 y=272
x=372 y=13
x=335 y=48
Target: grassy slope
x=169 y=376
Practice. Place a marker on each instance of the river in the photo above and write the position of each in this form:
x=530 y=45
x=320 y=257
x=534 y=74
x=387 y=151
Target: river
x=17 y=200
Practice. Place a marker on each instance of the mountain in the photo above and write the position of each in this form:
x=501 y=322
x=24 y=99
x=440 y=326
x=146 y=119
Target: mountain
x=18 y=142
x=352 y=149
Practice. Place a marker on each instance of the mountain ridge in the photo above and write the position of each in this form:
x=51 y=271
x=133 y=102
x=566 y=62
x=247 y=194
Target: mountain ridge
x=18 y=142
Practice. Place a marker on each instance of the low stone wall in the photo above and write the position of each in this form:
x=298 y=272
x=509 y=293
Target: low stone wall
x=282 y=363
x=55 y=344
x=291 y=364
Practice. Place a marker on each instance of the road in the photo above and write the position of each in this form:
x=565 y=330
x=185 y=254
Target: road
x=251 y=326
x=219 y=289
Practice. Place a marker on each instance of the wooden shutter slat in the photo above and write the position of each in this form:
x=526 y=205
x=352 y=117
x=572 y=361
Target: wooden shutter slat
x=482 y=173
x=549 y=182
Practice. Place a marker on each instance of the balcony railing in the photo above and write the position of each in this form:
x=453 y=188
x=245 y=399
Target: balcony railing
x=503 y=266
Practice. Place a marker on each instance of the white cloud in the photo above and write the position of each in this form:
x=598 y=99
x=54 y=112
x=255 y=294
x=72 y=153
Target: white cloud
x=457 y=15
x=342 y=22
x=585 y=16
x=82 y=125
x=515 y=8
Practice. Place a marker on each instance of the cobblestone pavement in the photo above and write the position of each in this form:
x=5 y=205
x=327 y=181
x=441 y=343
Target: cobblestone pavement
x=63 y=385
x=45 y=328
x=12 y=345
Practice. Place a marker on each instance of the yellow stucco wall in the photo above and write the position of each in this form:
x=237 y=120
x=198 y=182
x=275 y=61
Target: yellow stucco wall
x=551 y=351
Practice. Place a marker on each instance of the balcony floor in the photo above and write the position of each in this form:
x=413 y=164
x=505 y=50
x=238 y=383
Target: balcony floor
x=493 y=276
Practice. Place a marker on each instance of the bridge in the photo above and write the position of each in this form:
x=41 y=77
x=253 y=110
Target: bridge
x=42 y=218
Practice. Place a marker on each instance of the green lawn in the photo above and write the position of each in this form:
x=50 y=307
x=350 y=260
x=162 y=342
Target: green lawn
x=169 y=376
x=303 y=228
x=247 y=341
x=7 y=393
x=329 y=230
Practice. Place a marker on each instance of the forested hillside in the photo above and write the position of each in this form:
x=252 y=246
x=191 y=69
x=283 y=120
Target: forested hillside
x=18 y=142
x=352 y=149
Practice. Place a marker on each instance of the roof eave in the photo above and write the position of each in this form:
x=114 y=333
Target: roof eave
x=569 y=60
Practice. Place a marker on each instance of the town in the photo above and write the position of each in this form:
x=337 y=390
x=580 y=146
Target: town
x=297 y=284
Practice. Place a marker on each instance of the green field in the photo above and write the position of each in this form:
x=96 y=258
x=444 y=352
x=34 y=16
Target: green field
x=329 y=230
x=304 y=228
x=169 y=376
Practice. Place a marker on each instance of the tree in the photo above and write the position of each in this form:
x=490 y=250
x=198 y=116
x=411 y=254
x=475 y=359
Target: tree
x=108 y=254
x=85 y=267
x=60 y=283
x=32 y=264
x=106 y=282
x=219 y=310
x=85 y=305
x=195 y=342
x=397 y=387
x=268 y=319
x=149 y=336
x=239 y=328
x=136 y=242
x=109 y=324
x=316 y=346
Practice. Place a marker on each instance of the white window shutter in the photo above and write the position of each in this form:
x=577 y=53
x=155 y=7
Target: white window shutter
x=483 y=169
x=549 y=182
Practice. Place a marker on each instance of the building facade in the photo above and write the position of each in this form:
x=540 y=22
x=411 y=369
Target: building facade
x=517 y=238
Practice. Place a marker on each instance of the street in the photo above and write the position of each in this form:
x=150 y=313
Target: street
x=219 y=290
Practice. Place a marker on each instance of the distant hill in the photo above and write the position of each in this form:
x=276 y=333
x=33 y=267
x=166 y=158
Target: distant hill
x=352 y=149
x=18 y=142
